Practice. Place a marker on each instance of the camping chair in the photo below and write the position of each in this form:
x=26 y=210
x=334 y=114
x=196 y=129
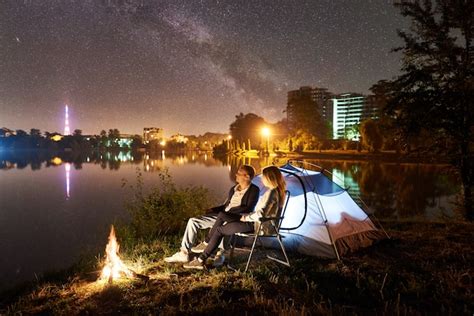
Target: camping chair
x=275 y=223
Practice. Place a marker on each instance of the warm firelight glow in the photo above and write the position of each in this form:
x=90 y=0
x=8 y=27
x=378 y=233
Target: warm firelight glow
x=114 y=267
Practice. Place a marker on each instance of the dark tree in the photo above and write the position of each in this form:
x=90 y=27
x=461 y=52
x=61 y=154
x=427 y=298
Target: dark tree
x=137 y=142
x=77 y=132
x=435 y=91
x=247 y=127
x=34 y=132
x=21 y=133
x=371 y=136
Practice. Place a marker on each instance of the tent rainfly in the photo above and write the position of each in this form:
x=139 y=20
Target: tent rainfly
x=321 y=218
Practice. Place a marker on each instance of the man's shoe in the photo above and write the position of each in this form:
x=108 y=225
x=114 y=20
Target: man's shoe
x=219 y=259
x=199 y=248
x=195 y=264
x=179 y=257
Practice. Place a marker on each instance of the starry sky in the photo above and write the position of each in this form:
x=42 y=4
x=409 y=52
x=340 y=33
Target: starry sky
x=185 y=66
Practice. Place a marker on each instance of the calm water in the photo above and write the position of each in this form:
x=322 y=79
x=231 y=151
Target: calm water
x=53 y=209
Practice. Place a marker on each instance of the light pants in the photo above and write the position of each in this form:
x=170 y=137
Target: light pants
x=192 y=228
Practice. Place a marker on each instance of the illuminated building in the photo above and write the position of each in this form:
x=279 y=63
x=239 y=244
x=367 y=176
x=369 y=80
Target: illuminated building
x=125 y=140
x=152 y=133
x=321 y=98
x=67 y=130
x=349 y=110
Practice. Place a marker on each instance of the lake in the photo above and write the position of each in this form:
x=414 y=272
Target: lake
x=54 y=208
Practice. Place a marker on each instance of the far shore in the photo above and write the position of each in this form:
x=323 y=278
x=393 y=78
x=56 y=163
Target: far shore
x=353 y=155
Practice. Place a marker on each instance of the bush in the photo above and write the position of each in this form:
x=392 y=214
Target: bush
x=164 y=210
x=371 y=136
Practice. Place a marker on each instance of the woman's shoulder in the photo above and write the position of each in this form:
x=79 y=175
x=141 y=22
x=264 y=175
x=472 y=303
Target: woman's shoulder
x=273 y=193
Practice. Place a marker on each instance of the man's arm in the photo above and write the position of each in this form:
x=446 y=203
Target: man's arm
x=216 y=209
x=221 y=208
x=248 y=205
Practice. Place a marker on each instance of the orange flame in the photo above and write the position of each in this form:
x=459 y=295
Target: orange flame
x=114 y=267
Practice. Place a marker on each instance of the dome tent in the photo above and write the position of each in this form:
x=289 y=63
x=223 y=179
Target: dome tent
x=321 y=218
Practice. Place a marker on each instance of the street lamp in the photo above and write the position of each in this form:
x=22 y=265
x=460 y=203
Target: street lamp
x=266 y=134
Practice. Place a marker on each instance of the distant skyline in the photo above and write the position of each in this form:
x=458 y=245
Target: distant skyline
x=184 y=66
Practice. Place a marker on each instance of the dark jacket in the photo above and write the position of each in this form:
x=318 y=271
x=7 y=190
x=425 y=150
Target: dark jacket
x=249 y=200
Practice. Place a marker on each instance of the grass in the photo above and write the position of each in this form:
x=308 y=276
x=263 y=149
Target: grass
x=426 y=268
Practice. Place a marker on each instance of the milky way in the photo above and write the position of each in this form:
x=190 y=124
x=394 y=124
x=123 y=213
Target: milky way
x=185 y=66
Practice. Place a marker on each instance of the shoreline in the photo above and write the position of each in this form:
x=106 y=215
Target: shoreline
x=352 y=155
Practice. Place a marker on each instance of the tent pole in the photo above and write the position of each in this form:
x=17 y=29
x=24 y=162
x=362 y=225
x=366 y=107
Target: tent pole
x=326 y=222
x=373 y=215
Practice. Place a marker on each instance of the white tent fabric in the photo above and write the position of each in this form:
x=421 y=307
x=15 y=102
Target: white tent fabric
x=321 y=216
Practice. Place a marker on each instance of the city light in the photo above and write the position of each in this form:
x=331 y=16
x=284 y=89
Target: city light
x=266 y=131
x=57 y=137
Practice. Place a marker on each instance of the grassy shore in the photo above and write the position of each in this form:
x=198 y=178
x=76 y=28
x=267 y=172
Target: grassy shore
x=425 y=268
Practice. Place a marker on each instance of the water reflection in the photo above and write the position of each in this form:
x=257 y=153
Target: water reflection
x=399 y=190
x=389 y=189
x=67 y=167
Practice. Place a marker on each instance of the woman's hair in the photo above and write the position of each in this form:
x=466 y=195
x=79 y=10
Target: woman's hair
x=273 y=175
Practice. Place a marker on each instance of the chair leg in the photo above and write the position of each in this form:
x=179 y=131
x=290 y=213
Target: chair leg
x=232 y=247
x=231 y=256
x=251 y=251
x=282 y=247
x=287 y=262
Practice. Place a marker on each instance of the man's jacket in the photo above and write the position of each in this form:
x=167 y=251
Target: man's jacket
x=249 y=200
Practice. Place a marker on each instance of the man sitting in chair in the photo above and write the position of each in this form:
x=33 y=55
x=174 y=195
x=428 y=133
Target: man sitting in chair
x=241 y=201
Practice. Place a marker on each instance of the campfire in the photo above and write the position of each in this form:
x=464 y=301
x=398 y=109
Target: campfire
x=114 y=267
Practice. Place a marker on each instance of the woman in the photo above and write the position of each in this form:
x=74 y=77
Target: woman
x=269 y=205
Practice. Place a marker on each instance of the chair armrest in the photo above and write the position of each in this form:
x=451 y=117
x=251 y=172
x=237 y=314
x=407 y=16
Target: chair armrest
x=266 y=219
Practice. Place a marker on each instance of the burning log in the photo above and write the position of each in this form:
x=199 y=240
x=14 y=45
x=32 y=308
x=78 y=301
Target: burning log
x=114 y=267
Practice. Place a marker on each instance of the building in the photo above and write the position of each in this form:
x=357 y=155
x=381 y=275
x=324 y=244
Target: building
x=152 y=133
x=125 y=140
x=349 y=109
x=321 y=97
x=179 y=138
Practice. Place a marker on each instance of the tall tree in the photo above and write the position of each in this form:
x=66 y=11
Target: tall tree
x=436 y=87
x=247 y=127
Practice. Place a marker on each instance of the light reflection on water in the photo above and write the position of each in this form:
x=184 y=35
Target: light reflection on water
x=50 y=214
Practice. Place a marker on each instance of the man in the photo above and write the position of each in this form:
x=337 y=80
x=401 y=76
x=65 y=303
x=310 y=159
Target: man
x=241 y=200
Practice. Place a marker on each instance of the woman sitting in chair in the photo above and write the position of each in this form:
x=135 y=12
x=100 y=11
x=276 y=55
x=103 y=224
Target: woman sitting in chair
x=269 y=205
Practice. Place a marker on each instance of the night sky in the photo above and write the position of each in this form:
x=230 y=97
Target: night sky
x=185 y=66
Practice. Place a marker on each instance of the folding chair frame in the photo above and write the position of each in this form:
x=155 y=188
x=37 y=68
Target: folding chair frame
x=275 y=223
